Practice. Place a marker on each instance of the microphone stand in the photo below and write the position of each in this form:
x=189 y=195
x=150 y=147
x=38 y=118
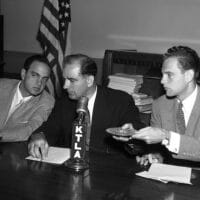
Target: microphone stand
x=77 y=161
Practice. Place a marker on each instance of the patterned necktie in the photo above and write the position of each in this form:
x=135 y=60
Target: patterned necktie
x=180 y=118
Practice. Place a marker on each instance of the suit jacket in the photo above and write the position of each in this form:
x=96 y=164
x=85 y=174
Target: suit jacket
x=112 y=108
x=26 y=118
x=164 y=116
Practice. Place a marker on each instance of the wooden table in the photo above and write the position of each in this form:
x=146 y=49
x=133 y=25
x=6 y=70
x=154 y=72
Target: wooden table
x=110 y=177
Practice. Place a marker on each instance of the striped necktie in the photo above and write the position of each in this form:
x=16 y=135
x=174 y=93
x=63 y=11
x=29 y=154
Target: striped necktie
x=180 y=119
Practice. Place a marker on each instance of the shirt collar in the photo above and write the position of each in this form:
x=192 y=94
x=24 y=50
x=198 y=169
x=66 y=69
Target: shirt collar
x=188 y=104
x=189 y=101
x=19 y=94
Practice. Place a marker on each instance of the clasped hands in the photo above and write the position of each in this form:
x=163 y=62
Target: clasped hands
x=151 y=135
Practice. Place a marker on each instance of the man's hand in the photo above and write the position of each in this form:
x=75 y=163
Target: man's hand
x=151 y=135
x=38 y=146
x=127 y=127
x=149 y=159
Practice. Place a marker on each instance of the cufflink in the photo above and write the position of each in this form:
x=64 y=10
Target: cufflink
x=165 y=142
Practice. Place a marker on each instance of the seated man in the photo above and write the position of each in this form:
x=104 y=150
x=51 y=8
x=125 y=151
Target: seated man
x=175 y=120
x=107 y=108
x=24 y=104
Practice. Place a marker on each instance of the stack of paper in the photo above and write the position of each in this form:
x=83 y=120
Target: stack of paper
x=167 y=173
x=125 y=82
x=143 y=102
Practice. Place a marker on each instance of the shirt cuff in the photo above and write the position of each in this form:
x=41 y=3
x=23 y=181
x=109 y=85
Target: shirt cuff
x=174 y=142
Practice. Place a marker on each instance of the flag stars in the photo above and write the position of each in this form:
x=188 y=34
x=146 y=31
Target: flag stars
x=66 y=14
x=62 y=24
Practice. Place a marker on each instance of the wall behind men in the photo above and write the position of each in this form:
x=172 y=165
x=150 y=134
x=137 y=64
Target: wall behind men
x=145 y=25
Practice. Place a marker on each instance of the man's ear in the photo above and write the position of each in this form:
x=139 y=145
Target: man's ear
x=189 y=75
x=23 y=74
x=90 y=80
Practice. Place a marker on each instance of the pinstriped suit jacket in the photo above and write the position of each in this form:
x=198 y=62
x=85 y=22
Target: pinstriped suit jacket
x=164 y=116
x=26 y=118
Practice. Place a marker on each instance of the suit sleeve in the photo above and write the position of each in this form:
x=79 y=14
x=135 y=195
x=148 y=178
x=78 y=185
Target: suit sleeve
x=130 y=113
x=189 y=148
x=155 y=115
x=21 y=131
x=52 y=127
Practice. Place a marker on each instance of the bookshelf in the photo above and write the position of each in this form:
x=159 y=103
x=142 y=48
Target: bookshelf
x=139 y=63
x=133 y=62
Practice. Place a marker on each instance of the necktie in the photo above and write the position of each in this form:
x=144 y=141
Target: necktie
x=88 y=130
x=180 y=118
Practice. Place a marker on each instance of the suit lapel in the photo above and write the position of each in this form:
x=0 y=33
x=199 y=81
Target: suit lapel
x=6 y=103
x=171 y=116
x=194 y=115
x=99 y=117
x=24 y=107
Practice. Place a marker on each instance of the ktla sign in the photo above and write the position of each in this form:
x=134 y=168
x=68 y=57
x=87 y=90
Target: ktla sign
x=78 y=141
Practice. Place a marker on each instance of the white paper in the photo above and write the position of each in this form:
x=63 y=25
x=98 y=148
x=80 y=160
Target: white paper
x=56 y=155
x=168 y=173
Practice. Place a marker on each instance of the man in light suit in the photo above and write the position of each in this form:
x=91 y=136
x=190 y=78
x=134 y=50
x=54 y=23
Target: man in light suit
x=24 y=105
x=107 y=108
x=180 y=71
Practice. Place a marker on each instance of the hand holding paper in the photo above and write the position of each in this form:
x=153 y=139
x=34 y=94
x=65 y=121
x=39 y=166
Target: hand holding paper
x=55 y=155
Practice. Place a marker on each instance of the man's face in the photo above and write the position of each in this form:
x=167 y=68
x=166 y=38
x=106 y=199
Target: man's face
x=75 y=83
x=34 y=79
x=174 y=79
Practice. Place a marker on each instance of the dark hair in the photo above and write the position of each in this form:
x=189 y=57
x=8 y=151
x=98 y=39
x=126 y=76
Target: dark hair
x=187 y=57
x=36 y=57
x=88 y=66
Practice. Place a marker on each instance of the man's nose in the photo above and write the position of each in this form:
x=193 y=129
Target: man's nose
x=39 y=81
x=66 y=84
x=163 y=81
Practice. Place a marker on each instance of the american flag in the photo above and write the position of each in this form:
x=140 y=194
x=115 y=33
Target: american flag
x=54 y=37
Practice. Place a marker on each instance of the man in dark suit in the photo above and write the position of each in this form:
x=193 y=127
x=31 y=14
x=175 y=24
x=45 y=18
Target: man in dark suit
x=107 y=108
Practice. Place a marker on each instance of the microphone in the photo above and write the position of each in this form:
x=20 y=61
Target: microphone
x=77 y=159
x=82 y=105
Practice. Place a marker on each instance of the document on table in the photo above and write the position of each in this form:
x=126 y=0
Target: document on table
x=56 y=155
x=167 y=173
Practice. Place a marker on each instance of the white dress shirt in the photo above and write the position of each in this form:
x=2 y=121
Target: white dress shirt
x=18 y=99
x=91 y=104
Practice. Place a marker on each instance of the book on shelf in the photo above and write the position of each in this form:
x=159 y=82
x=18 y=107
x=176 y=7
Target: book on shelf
x=143 y=101
x=128 y=89
x=131 y=84
x=126 y=82
x=129 y=78
x=145 y=108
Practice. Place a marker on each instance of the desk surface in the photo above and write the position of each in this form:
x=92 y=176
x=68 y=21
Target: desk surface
x=108 y=178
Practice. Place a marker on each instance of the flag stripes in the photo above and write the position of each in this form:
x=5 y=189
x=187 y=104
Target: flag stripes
x=53 y=37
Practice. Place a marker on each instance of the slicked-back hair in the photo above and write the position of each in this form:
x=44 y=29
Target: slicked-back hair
x=33 y=58
x=87 y=65
x=187 y=57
